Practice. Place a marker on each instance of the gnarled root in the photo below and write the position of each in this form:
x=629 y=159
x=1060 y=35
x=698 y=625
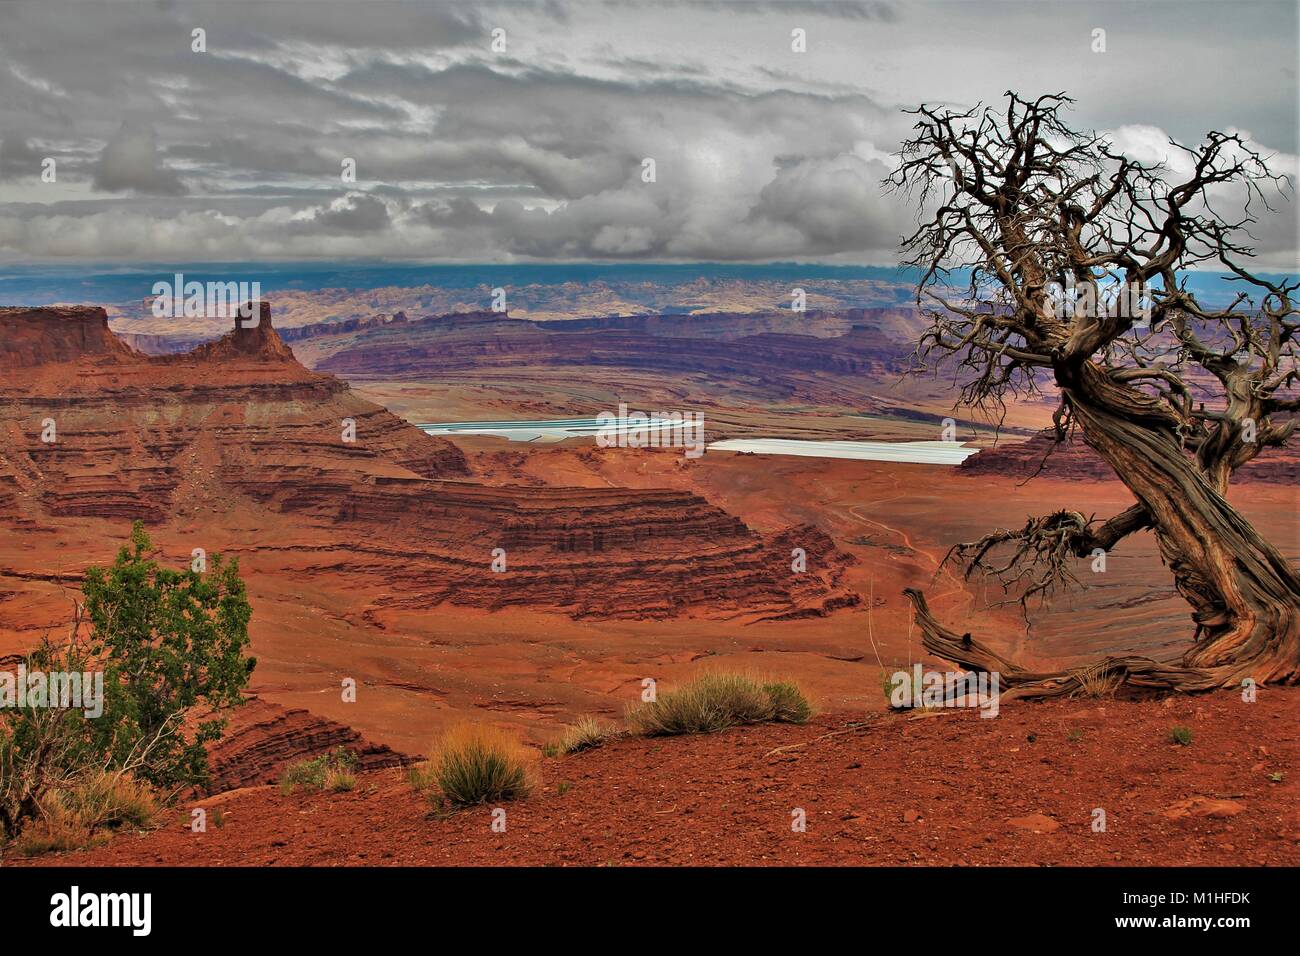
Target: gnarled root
x=1106 y=675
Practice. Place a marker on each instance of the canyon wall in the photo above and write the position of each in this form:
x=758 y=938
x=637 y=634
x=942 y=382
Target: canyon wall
x=91 y=429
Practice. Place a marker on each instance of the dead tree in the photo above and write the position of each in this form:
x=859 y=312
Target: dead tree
x=1046 y=255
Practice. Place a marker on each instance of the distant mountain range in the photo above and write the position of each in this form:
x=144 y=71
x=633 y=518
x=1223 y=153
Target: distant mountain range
x=118 y=283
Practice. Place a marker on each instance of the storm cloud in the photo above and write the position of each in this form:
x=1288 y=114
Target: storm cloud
x=520 y=130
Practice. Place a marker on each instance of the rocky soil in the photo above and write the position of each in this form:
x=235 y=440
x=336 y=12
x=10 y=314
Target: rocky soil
x=934 y=788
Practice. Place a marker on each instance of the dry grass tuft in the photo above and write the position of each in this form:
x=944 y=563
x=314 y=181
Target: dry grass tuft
x=713 y=702
x=587 y=734
x=1095 y=681
x=474 y=764
x=79 y=814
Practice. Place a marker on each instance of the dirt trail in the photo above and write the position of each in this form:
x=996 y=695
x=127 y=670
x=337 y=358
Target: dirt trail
x=943 y=788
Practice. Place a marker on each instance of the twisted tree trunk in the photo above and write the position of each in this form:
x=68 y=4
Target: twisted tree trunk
x=1244 y=594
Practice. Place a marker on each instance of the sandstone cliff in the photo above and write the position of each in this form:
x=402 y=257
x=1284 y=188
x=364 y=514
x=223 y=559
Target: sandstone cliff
x=262 y=739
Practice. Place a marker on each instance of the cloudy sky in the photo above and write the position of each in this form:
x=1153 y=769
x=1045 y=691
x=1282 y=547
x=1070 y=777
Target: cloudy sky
x=465 y=152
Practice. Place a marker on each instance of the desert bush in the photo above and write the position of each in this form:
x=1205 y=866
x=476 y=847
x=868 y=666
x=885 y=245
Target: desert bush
x=169 y=646
x=333 y=770
x=473 y=764
x=715 y=702
x=586 y=734
x=41 y=749
x=1181 y=736
x=789 y=705
x=172 y=643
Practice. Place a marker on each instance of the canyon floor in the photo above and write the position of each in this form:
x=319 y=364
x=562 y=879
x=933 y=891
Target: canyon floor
x=937 y=788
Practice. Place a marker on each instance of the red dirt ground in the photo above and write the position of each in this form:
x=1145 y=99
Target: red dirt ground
x=938 y=788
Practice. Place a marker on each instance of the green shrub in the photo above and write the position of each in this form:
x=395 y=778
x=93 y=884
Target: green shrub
x=327 y=771
x=169 y=646
x=789 y=706
x=1181 y=736
x=172 y=642
x=713 y=702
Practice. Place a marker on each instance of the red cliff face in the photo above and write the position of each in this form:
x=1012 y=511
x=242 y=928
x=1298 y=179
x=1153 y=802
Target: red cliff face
x=804 y=354
x=239 y=427
x=31 y=337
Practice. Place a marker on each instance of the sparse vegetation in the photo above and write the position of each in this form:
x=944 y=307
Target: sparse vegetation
x=1095 y=680
x=1181 y=736
x=789 y=705
x=587 y=734
x=78 y=814
x=474 y=764
x=887 y=685
x=333 y=771
x=167 y=644
x=715 y=702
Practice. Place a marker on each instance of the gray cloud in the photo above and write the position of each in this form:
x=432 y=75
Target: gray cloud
x=356 y=213
x=465 y=153
x=130 y=162
x=17 y=157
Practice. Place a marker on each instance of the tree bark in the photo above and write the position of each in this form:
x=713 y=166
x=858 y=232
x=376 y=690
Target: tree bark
x=1244 y=594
